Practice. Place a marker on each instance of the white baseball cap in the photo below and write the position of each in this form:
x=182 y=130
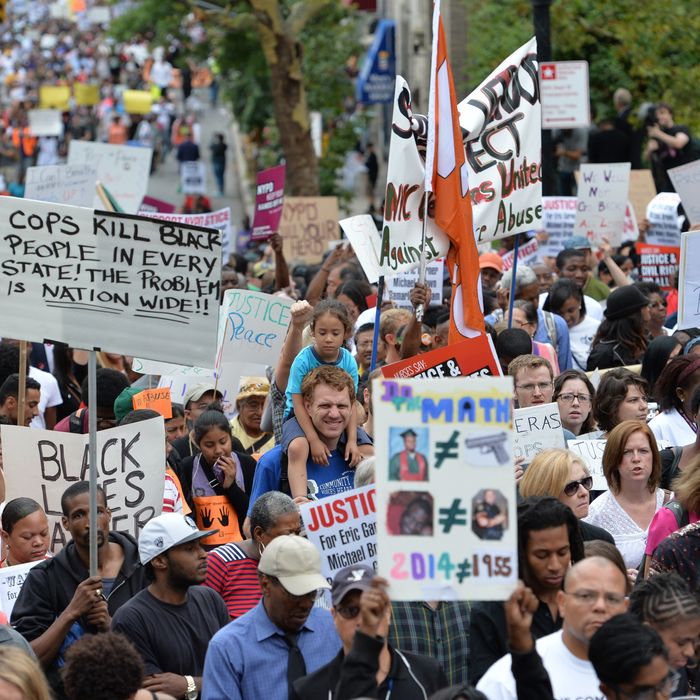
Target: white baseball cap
x=166 y=531
x=295 y=563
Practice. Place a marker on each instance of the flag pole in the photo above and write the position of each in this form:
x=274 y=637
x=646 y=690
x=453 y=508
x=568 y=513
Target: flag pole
x=512 y=281
x=377 y=314
x=429 y=149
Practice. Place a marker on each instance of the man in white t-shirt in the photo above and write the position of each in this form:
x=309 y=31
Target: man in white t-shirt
x=594 y=591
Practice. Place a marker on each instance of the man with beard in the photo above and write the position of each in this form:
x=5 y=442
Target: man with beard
x=59 y=601
x=172 y=621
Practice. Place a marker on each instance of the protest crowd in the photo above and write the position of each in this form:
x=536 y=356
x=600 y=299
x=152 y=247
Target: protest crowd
x=343 y=479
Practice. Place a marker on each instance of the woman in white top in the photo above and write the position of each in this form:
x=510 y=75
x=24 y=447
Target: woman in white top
x=566 y=299
x=675 y=424
x=632 y=469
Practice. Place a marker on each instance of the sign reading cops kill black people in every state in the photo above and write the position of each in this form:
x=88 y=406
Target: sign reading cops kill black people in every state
x=127 y=284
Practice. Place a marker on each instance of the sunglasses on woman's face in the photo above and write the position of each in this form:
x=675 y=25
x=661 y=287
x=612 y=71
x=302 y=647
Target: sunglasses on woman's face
x=572 y=487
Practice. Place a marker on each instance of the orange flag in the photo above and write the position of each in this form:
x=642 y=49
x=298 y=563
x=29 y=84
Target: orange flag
x=446 y=176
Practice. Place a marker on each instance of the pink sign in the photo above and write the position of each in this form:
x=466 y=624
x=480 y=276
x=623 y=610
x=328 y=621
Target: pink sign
x=151 y=204
x=269 y=198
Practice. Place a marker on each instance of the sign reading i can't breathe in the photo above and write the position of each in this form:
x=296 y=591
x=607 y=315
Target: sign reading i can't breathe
x=95 y=279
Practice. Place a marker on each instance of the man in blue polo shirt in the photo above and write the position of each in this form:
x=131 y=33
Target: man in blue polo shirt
x=329 y=397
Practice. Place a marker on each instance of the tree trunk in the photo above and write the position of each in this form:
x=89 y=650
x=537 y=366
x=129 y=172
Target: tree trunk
x=283 y=55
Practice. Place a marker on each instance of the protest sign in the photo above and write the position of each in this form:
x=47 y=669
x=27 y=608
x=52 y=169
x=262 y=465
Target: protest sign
x=399 y=286
x=528 y=254
x=502 y=120
x=54 y=97
x=446 y=518
x=256 y=326
x=535 y=429
x=45 y=122
x=193 y=177
x=86 y=94
x=92 y=279
x=473 y=357
x=686 y=181
x=642 y=191
x=61 y=184
x=602 y=200
x=41 y=464
x=564 y=93
x=343 y=528
x=689 y=281
x=269 y=199
x=151 y=205
x=219 y=219
x=591 y=451
x=404 y=206
x=12 y=579
x=144 y=366
x=658 y=264
x=306 y=227
x=155 y=400
x=137 y=101
x=365 y=240
x=99 y=15
x=560 y=219
x=664 y=222
x=123 y=170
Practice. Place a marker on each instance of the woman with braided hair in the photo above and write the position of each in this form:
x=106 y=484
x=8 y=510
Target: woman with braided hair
x=665 y=603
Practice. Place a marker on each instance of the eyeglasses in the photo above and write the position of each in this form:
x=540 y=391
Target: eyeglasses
x=529 y=388
x=348 y=612
x=584 y=597
x=583 y=399
x=665 y=688
x=572 y=487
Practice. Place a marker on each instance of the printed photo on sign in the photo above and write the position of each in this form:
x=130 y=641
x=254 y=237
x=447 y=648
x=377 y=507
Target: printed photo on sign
x=488 y=450
x=408 y=454
x=489 y=514
x=410 y=513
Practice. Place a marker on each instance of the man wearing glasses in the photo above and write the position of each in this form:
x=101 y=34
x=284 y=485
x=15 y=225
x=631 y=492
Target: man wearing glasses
x=594 y=591
x=367 y=665
x=284 y=637
x=533 y=380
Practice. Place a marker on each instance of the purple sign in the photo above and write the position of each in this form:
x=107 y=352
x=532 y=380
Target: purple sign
x=269 y=199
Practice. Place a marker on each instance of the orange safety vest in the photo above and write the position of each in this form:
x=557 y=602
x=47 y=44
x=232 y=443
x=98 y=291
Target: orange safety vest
x=28 y=142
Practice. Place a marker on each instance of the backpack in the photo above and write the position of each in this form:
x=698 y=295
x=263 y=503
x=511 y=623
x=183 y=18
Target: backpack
x=75 y=422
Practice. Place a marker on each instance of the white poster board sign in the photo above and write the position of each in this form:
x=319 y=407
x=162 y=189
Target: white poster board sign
x=689 y=281
x=61 y=184
x=219 y=219
x=664 y=222
x=528 y=254
x=12 y=579
x=256 y=326
x=193 y=177
x=42 y=464
x=686 y=180
x=136 y=286
x=45 y=122
x=343 y=528
x=591 y=451
x=399 y=286
x=503 y=124
x=446 y=510
x=365 y=240
x=602 y=201
x=536 y=429
x=123 y=170
x=564 y=95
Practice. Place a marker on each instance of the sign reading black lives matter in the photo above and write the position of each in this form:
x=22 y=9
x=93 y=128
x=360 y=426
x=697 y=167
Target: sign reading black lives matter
x=42 y=464
x=128 y=284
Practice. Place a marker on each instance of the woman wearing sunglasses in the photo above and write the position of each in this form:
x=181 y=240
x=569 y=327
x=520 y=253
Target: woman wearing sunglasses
x=574 y=395
x=563 y=475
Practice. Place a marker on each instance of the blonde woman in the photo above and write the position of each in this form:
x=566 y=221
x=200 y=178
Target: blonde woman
x=21 y=678
x=563 y=475
x=632 y=469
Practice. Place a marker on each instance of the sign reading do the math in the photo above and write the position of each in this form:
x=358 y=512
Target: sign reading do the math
x=343 y=528
x=446 y=510
x=96 y=279
x=42 y=464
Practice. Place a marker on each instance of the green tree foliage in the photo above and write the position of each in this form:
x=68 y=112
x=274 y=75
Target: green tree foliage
x=642 y=45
